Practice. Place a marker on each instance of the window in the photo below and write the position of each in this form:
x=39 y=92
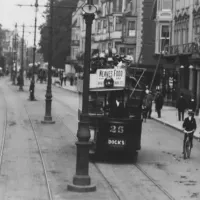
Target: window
x=122 y=51
x=181 y=32
x=118 y=23
x=98 y=26
x=131 y=51
x=110 y=21
x=104 y=25
x=196 y=2
x=95 y=2
x=74 y=53
x=117 y=5
x=131 y=28
x=164 y=37
x=196 y=25
x=167 y=5
x=164 y=5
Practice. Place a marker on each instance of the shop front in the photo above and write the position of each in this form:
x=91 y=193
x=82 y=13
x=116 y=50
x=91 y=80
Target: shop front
x=169 y=85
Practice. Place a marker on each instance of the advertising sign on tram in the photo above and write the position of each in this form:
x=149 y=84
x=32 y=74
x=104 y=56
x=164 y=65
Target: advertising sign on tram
x=118 y=76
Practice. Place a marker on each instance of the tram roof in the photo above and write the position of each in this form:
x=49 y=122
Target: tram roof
x=112 y=89
x=106 y=89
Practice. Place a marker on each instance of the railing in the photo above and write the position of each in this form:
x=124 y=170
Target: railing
x=184 y=49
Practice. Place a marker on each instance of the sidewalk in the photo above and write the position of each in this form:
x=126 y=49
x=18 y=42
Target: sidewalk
x=67 y=86
x=169 y=114
x=169 y=117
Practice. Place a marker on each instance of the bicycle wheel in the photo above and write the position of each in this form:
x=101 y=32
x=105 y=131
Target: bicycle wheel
x=187 y=149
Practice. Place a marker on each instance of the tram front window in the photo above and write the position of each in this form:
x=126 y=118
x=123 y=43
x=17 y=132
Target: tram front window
x=111 y=104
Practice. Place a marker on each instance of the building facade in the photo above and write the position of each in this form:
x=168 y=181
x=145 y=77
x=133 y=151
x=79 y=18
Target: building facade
x=140 y=28
x=183 y=51
x=163 y=16
x=115 y=26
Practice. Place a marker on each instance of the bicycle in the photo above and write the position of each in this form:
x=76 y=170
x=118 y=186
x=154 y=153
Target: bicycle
x=187 y=145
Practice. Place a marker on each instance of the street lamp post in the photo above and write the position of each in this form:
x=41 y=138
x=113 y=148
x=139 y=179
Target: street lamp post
x=32 y=93
x=48 y=117
x=81 y=180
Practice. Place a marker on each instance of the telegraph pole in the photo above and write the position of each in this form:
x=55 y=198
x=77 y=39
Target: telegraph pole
x=34 y=50
x=15 y=56
x=22 y=63
x=48 y=117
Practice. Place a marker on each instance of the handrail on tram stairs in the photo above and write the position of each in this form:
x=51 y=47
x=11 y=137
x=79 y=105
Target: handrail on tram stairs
x=158 y=63
x=137 y=83
x=135 y=73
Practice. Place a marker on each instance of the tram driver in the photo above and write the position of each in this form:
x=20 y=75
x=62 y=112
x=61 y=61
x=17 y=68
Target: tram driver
x=117 y=108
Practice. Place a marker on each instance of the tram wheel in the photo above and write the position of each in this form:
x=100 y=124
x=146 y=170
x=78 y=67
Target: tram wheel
x=135 y=156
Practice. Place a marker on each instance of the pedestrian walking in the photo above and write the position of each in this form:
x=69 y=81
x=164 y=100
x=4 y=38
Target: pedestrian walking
x=159 y=103
x=144 y=110
x=65 y=79
x=149 y=104
x=181 y=106
x=31 y=90
x=192 y=104
x=61 y=79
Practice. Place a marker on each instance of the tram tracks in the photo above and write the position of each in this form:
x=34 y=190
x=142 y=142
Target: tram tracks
x=154 y=182
x=110 y=185
x=138 y=166
x=41 y=157
x=5 y=124
x=50 y=197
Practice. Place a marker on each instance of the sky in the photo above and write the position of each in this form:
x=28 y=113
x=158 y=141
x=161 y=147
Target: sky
x=10 y=14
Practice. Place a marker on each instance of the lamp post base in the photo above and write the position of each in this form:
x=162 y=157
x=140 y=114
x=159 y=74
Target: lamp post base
x=47 y=120
x=30 y=99
x=81 y=180
x=81 y=188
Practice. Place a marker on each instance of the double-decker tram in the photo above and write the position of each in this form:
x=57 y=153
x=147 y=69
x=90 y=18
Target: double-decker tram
x=114 y=113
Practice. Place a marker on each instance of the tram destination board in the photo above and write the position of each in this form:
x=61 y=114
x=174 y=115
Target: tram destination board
x=116 y=135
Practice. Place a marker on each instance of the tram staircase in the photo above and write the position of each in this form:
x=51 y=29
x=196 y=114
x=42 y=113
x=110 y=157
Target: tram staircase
x=138 y=87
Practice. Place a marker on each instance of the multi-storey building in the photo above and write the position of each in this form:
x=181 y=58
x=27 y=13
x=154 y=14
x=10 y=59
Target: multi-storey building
x=114 y=27
x=162 y=16
x=183 y=50
x=130 y=27
x=78 y=32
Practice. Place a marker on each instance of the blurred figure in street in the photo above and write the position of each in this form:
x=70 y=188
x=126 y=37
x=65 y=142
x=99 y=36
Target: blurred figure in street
x=31 y=90
x=181 y=106
x=65 y=79
x=192 y=105
x=149 y=104
x=159 y=103
x=144 y=108
x=71 y=80
x=61 y=79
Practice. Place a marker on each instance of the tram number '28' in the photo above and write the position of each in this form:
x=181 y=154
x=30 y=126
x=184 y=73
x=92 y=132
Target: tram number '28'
x=116 y=129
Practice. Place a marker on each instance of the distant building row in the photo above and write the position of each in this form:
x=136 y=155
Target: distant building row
x=121 y=24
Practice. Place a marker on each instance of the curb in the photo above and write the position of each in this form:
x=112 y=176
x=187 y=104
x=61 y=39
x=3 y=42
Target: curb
x=65 y=89
x=173 y=127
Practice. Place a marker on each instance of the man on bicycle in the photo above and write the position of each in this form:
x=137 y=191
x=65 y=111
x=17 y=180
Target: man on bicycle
x=189 y=126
